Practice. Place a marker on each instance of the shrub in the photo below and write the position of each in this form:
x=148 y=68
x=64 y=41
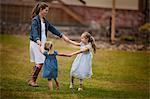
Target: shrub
x=128 y=38
x=145 y=28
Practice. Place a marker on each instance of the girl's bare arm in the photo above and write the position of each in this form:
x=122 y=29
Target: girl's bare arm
x=74 y=53
x=63 y=54
x=70 y=41
x=80 y=51
x=74 y=43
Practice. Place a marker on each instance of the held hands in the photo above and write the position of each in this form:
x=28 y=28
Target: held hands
x=39 y=42
x=42 y=49
x=65 y=38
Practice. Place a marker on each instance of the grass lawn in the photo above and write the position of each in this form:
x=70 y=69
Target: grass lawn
x=116 y=74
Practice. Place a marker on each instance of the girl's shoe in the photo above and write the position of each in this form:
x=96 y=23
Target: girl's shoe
x=71 y=86
x=80 y=89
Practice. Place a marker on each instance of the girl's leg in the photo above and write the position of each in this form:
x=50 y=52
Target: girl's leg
x=50 y=84
x=71 y=82
x=35 y=72
x=57 y=83
x=81 y=85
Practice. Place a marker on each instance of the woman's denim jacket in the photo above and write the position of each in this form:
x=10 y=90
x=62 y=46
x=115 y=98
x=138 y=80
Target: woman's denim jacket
x=35 y=33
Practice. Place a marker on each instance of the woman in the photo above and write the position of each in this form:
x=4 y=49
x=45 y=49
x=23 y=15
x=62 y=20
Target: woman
x=38 y=35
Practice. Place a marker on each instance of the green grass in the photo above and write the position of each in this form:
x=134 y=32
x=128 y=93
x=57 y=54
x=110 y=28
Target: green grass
x=116 y=74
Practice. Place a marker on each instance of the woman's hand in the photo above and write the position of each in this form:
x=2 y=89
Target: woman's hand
x=39 y=42
x=65 y=38
x=41 y=49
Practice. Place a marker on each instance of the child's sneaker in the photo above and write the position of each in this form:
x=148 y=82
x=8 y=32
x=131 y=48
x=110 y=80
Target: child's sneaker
x=71 y=86
x=80 y=89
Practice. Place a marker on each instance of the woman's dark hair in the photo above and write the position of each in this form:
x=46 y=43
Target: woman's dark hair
x=91 y=39
x=39 y=6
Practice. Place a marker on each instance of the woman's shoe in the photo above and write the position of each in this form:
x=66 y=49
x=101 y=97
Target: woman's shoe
x=35 y=72
x=57 y=88
x=32 y=83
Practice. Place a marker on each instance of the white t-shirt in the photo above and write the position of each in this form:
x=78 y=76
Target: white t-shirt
x=43 y=34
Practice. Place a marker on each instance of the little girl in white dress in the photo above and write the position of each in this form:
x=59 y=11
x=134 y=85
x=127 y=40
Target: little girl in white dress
x=82 y=65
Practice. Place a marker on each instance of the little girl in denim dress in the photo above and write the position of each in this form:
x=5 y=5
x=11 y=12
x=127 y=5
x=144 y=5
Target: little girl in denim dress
x=50 y=68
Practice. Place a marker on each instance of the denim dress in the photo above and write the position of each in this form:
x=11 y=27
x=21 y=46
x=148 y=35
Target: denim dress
x=50 y=68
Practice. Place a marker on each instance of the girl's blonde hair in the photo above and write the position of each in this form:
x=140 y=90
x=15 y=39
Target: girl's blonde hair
x=91 y=40
x=48 y=45
x=39 y=6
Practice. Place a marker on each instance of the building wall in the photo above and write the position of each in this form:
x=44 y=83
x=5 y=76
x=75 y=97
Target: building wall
x=120 y=4
x=59 y=17
x=124 y=18
x=16 y=18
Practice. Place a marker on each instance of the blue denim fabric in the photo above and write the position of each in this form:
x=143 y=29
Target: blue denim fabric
x=35 y=33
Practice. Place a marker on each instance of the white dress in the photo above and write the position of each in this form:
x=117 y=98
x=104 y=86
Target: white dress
x=82 y=65
x=35 y=53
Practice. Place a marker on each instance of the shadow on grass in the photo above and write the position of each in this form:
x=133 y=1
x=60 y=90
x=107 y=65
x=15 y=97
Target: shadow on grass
x=109 y=93
x=15 y=88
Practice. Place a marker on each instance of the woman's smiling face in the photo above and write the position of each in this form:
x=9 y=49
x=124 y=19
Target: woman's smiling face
x=44 y=12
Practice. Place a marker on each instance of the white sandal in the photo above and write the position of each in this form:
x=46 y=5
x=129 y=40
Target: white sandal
x=80 y=89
